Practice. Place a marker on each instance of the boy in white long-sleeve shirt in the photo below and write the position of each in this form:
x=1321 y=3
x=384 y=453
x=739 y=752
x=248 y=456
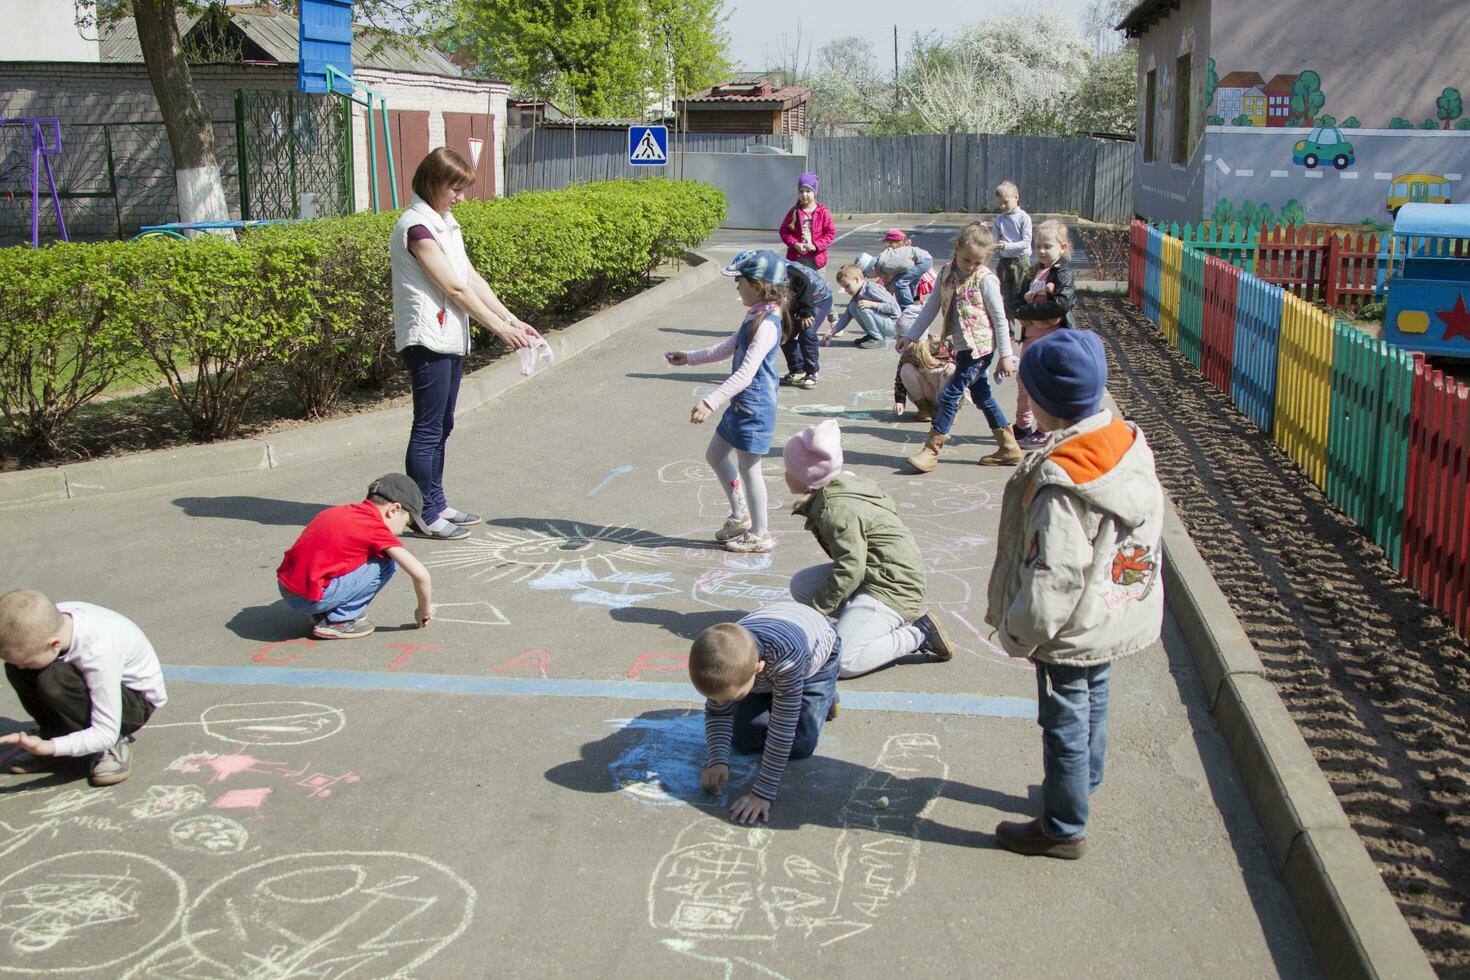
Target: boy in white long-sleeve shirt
x=1013 y=233
x=87 y=675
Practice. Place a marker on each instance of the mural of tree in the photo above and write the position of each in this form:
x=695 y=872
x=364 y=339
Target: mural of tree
x=1264 y=217
x=1351 y=122
x=1449 y=107
x=1327 y=120
x=1224 y=212
x=1306 y=98
x=1429 y=124
x=1292 y=212
x=1241 y=120
x=1399 y=122
x=1214 y=119
x=1212 y=82
x=1463 y=124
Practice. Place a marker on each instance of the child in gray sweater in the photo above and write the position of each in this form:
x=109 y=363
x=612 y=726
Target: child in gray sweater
x=872 y=306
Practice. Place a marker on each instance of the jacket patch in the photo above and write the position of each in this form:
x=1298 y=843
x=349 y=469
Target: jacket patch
x=1135 y=570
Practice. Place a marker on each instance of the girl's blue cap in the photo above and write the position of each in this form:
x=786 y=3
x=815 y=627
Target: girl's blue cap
x=762 y=265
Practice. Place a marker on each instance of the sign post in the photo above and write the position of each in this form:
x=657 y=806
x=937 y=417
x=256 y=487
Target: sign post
x=648 y=146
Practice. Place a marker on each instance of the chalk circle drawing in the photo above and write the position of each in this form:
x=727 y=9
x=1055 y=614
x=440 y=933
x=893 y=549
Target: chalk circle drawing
x=686 y=471
x=740 y=589
x=724 y=897
x=272 y=722
x=662 y=768
x=71 y=913
x=208 y=834
x=561 y=545
x=327 y=915
x=70 y=801
x=165 y=801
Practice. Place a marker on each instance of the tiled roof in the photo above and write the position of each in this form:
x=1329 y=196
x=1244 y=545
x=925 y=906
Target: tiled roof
x=1242 y=79
x=759 y=95
x=276 y=34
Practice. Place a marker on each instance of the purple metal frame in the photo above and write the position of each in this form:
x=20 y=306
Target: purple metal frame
x=41 y=152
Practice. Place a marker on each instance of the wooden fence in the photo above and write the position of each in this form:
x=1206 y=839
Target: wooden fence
x=872 y=174
x=1385 y=436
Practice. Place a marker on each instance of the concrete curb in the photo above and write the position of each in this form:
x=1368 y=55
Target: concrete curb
x=311 y=443
x=1354 y=925
x=1102 y=287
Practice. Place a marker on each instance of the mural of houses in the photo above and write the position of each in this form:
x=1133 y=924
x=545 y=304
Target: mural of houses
x=1254 y=109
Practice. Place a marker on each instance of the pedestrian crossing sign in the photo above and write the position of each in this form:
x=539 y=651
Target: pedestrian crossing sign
x=648 y=146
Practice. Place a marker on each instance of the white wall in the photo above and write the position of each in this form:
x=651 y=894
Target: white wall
x=43 y=30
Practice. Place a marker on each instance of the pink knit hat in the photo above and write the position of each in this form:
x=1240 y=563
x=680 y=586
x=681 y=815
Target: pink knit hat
x=894 y=235
x=814 y=455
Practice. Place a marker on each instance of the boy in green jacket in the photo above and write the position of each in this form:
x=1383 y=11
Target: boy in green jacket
x=874 y=584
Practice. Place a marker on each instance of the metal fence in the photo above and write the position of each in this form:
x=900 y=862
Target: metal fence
x=873 y=174
x=549 y=158
x=958 y=172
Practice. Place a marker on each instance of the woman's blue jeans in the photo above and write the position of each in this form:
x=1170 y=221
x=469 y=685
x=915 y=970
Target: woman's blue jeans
x=969 y=374
x=347 y=596
x=1072 y=710
x=435 y=380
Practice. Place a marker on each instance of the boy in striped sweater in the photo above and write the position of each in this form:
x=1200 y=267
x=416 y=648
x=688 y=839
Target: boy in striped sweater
x=771 y=683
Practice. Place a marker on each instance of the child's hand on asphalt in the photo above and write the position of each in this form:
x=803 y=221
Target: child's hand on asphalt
x=1005 y=369
x=422 y=615
x=713 y=779
x=29 y=742
x=699 y=413
x=676 y=357
x=751 y=809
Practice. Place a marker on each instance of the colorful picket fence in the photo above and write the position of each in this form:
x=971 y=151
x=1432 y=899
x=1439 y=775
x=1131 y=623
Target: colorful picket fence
x=1386 y=437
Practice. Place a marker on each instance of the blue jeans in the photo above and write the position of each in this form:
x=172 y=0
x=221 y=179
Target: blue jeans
x=969 y=374
x=875 y=326
x=435 y=379
x=753 y=713
x=347 y=596
x=1073 y=713
x=906 y=283
x=801 y=350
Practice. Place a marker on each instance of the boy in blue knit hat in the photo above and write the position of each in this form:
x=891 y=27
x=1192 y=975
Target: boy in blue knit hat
x=1076 y=581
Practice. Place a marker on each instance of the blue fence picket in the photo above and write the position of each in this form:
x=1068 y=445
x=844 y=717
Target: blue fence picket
x=1153 y=275
x=1257 y=342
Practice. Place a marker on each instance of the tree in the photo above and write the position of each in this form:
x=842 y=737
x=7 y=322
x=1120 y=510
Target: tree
x=848 y=86
x=1306 y=98
x=1224 y=213
x=1449 y=107
x=1351 y=122
x=1107 y=99
x=201 y=192
x=1292 y=213
x=1399 y=122
x=691 y=36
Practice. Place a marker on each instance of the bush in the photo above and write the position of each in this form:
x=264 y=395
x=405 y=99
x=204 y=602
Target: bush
x=314 y=298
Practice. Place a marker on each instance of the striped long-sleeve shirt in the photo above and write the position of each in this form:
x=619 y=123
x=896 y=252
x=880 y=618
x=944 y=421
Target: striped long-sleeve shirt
x=795 y=642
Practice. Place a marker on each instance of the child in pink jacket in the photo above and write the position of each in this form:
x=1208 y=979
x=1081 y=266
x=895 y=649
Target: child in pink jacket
x=807 y=228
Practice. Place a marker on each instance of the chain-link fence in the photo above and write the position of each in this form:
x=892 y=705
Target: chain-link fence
x=294 y=154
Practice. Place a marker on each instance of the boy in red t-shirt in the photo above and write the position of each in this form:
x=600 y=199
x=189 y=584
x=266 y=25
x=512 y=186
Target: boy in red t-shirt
x=347 y=554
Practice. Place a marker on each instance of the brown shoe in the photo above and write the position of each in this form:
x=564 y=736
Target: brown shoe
x=925 y=408
x=927 y=458
x=1027 y=838
x=1007 y=452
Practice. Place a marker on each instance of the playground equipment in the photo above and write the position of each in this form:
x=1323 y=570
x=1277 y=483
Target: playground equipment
x=176 y=229
x=42 y=151
x=1426 y=272
x=335 y=78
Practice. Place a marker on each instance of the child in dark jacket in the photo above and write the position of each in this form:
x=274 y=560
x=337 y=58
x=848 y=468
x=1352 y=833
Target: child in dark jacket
x=874 y=584
x=1046 y=306
x=809 y=304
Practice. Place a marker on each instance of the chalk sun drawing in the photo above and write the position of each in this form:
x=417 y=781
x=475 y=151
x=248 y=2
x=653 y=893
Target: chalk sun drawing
x=71 y=913
x=662 y=768
x=518 y=555
x=726 y=898
x=325 y=916
x=209 y=834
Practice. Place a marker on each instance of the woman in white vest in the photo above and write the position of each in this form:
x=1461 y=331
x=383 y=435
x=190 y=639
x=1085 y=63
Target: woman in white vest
x=436 y=292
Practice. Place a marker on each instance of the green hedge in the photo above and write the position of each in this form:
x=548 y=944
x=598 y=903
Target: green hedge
x=311 y=299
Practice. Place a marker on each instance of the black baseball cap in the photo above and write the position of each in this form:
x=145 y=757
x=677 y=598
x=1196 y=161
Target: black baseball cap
x=401 y=490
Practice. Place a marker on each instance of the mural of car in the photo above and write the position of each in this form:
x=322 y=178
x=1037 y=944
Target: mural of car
x=1324 y=143
x=1417 y=189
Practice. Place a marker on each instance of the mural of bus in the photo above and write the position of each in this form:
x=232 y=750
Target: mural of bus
x=1417 y=189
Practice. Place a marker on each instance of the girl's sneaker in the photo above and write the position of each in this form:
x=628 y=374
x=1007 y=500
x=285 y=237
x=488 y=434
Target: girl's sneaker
x=734 y=527
x=808 y=381
x=1033 y=440
x=792 y=378
x=749 y=544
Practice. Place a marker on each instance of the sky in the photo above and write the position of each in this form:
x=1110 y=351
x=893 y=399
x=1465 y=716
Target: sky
x=760 y=29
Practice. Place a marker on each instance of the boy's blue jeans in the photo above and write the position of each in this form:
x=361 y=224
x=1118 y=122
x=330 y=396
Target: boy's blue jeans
x=347 y=596
x=1073 y=714
x=969 y=374
x=874 y=325
x=905 y=284
x=753 y=713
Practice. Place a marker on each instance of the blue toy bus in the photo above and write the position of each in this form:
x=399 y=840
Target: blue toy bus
x=1426 y=271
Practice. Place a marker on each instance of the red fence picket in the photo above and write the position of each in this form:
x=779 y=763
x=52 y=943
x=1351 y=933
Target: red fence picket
x=1222 y=286
x=1436 y=506
x=1351 y=270
x=1137 y=247
x=1293 y=258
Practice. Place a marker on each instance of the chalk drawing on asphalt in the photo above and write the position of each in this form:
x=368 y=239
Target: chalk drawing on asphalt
x=325 y=916
x=522 y=554
x=73 y=913
x=267 y=722
x=477 y=613
x=70 y=801
x=160 y=802
x=721 y=894
x=662 y=767
x=619 y=590
x=208 y=834
x=739 y=589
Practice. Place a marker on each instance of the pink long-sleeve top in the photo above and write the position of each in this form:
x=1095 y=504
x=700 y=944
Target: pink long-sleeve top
x=765 y=339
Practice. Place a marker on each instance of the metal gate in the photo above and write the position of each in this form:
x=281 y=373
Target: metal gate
x=295 y=154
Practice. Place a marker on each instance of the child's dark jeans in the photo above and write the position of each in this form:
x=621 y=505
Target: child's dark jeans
x=57 y=697
x=801 y=350
x=907 y=282
x=753 y=713
x=969 y=374
x=1072 y=709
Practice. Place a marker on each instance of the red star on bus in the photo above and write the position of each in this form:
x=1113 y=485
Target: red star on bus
x=1457 y=320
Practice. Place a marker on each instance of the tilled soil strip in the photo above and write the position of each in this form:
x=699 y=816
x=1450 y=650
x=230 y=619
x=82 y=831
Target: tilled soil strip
x=1378 y=684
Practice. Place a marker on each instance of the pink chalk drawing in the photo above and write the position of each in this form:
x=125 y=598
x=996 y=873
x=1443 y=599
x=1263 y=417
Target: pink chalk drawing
x=222 y=767
x=321 y=784
x=242 y=799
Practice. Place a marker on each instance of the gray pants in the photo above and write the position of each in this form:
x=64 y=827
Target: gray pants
x=873 y=636
x=874 y=325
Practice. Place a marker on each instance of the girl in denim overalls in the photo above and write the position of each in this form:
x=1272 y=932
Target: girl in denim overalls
x=746 y=428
